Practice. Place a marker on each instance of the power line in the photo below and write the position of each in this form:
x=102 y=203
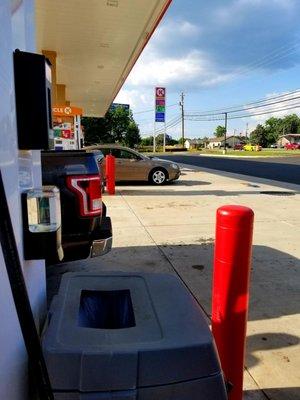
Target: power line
x=214 y=111
x=175 y=121
x=282 y=48
x=177 y=116
x=267 y=112
x=249 y=108
x=152 y=109
x=171 y=125
x=218 y=114
x=150 y=120
x=268 y=59
x=219 y=118
x=268 y=104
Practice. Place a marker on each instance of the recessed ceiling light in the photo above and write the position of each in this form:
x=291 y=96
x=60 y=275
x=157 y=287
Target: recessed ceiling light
x=112 y=3
x=104 y=45
x=100 y=66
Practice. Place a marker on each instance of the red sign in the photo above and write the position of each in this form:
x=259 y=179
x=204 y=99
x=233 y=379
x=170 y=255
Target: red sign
x=66 y=134
x=160 y=92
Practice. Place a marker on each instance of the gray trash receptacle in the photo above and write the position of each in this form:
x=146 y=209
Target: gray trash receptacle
x=130 y=336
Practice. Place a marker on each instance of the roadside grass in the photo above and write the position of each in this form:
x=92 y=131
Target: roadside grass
x=238 y=153
x=262 y=153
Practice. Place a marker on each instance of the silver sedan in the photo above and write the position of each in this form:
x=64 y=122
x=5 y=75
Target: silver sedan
x=131 y=165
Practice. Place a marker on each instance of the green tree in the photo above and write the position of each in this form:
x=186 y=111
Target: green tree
x=290 y=124
x=220 y=131
x=132 y=135
x=147 y=141
x=259 y=136
x=276 y=127
x=160 y=139
x=118 y=126
x=118 y=122
x=172 y=141
x=180 y=141
x=273 y=127
x=95 y=130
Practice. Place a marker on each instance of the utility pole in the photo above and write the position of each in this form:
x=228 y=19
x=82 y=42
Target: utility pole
x=247 y=130
x=225 y=136
x=182 y=117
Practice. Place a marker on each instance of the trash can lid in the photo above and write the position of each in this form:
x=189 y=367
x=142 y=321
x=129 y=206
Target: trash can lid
x=121 y=331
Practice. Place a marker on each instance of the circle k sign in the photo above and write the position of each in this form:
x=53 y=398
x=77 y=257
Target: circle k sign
x=160 y=92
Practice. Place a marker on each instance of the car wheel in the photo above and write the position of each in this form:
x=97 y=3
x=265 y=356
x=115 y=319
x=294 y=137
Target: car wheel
x=158 y=176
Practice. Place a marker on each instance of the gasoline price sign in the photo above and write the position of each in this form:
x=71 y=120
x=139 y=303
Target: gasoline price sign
x=160 y=104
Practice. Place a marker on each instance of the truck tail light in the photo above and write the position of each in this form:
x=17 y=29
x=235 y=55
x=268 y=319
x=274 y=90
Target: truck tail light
x=88 y=191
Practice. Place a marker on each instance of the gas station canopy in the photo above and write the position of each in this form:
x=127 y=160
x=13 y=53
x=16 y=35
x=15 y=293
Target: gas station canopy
x=97 y=42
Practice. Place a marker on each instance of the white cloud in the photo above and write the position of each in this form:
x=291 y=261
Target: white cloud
x=188 y=29
x=192 y=69
x=136 y=98
x=173 y=27
x=170 y=59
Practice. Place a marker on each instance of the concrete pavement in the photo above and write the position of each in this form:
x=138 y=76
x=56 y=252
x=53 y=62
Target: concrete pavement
x=171 y=229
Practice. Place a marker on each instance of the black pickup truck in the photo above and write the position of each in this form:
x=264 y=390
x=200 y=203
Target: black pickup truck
x=86 y=230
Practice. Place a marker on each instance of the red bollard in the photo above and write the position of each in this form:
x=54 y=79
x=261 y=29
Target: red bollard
x=110 y=171
x=230 y=296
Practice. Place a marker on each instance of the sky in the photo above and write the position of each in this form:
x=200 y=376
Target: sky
x=219 y=53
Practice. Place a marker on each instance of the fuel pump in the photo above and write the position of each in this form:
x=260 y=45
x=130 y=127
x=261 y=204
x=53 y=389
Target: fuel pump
x=67 y=127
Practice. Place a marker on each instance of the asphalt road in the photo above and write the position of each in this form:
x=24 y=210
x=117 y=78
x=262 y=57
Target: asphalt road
x=283 y=169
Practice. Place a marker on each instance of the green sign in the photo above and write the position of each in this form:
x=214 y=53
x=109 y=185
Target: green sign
x=57 y=132
x=160 y=108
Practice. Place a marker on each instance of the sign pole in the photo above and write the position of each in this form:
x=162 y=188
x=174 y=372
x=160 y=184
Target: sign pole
x=164 y=145
x=154 y=134
x=165 y=131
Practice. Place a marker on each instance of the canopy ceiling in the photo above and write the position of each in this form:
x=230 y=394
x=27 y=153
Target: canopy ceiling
x=97 y=43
